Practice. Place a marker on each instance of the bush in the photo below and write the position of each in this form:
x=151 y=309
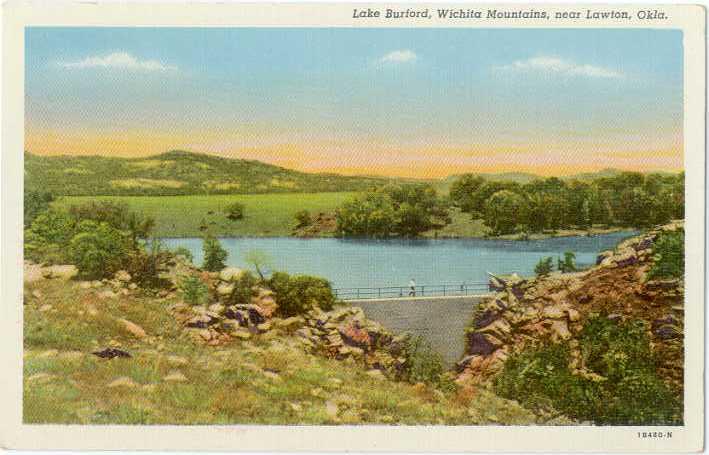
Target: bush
x=184 y=252
x=669 y=255
x=117 y=215
x=214 y=254
x=303 y=218
x=630 y=393
x=243 y=289
x=35 y=203
x=235 y=211
x=544 y=266
x=145 y=266
x=568 y=265
x=300 y=293
x=98 y=250
x=260 y=260
x=423 y=364
x=194 y=290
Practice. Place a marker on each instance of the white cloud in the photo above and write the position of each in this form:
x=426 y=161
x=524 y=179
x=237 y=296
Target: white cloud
x=555 y=65
x=119 y=60
x=400 y=56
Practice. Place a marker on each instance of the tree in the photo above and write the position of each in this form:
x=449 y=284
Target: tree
x=463 y=189
x=568 y=265
x=117 y=215
x=502 y=212
x=235 y=211
x=214 y=254
x=544 y=266
x=260 y=260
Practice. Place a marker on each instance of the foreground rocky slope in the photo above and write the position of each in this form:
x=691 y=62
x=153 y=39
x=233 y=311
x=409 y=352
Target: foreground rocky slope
x=108 y=352
x=530 y=312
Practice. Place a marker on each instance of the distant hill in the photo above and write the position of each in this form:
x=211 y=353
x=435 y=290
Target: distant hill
x=176 y=173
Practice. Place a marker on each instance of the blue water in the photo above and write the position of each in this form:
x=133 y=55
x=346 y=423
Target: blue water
x=350 y=263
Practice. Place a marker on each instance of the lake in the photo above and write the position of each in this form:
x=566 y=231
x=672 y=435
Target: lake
x=352 y=263
x=349 y=263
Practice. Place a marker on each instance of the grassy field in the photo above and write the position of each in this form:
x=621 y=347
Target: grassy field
x=265 y=215
x=170 y=379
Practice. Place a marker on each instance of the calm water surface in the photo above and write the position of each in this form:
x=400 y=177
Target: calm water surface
x=349 y=263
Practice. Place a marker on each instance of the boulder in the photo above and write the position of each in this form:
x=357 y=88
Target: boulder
x=175 y=376
x=479 y=345
x=133 y=328
x=122 y=276
x=230 y=274
x=560 y=331
x=123 y=381
x=225 y=289
x=64 y=272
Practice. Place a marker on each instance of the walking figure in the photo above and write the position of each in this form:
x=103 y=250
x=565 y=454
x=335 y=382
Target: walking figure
x=412 y=286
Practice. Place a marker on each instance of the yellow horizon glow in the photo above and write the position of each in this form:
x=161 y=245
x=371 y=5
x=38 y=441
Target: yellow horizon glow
x=369 y=159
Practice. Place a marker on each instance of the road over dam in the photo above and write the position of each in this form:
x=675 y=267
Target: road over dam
x=440 y=320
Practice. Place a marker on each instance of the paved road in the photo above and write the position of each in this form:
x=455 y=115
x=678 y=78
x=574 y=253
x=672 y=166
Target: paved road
x=440 y=320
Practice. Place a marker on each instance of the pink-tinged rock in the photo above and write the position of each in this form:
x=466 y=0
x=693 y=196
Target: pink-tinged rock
x=134 y=329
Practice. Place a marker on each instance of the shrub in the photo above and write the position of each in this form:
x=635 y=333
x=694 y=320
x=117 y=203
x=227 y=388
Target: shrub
x=194 y=290
x=145 y=266
x=303 y=218
x=423 y=364
x=669 y=255
x=235 y=211
x=544 y=267
x=48 y=236
x=568 y=265
x=260 y=260
x=243 y=289
x=117 y=215
x=214 y=254
x=98 y=250
x=35 y=202
x=629 y=393
x=184 y=252
x=300 y=293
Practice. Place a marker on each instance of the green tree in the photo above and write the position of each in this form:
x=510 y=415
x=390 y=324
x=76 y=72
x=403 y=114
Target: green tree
x=463 y=189
x=214 y=254
x=194 y=291
x=98 y=249
x=544 y=267
x=502 y=212
x=568 y=265
x=260 y=260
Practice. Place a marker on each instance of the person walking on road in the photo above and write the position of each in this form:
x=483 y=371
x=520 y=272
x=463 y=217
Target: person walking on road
x=412 y=287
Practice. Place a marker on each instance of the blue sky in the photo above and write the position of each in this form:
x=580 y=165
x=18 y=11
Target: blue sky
x=383 y=100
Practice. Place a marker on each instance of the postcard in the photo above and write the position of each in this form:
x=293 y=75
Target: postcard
x=353 y=227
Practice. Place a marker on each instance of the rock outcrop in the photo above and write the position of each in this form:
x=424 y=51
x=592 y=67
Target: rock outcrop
x=528 y=312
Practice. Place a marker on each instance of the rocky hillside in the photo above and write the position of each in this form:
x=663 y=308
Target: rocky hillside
x=553 y=309
x=109 y=352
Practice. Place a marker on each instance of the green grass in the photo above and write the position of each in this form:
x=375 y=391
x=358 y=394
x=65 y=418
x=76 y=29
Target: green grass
x=235 y=383
x=265 y=215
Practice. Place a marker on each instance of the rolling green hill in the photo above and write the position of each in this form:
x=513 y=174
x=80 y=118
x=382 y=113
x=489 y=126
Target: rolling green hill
x=176 y=173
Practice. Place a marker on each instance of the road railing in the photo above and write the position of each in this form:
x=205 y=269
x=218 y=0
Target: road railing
x=435 y=290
